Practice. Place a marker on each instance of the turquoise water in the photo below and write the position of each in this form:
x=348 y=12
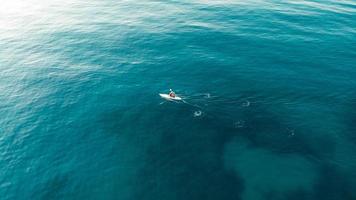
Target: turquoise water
x=269 y=107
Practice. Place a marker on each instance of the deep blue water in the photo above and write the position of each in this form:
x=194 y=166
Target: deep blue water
x=269 y=109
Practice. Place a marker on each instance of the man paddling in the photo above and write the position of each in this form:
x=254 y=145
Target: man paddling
x=172 y=94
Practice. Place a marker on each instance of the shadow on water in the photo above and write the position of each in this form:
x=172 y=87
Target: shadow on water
x=181 y=156
x=297 y=195
x=351 y=119
x=270 y=131
x=266 y=125
x=333 y=184
x=181 y=159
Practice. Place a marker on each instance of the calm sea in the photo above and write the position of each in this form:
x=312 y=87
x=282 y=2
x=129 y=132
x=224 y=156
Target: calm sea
x=269 y=89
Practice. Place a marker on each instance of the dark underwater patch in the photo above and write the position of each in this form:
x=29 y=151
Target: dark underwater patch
x=186 y=164
x=334 y=184
x=298 y=195
x=350 y=119
x=265 y=129
x=180 y=161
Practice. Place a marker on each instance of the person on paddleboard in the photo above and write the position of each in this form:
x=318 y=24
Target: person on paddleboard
x=172 y=94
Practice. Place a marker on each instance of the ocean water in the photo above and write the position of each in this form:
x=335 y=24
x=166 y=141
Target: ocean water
x=269 y=110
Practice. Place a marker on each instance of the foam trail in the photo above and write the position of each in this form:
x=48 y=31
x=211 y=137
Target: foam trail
x=194 y=105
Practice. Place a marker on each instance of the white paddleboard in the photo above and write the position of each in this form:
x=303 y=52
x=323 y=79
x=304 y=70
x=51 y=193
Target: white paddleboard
x=167 y=97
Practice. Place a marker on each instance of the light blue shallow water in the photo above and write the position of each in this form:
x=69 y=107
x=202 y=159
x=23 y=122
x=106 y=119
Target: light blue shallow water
x=269 y=89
